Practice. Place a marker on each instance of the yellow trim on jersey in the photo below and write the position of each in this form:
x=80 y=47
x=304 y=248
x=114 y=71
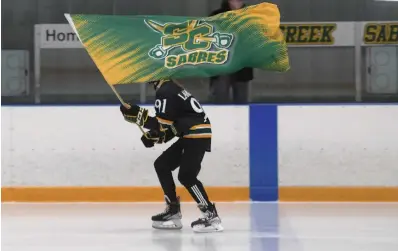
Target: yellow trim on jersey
x=201 y=126
x=164 y=121
x=198 y=136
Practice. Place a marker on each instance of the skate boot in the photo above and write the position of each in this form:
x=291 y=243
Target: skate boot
x=171 y=217
x=210 y=221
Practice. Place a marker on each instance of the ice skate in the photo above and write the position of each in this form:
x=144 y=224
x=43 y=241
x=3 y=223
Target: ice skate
x=170 y=219
x=210 y=221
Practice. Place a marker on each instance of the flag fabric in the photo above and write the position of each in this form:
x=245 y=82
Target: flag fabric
x=138 y=49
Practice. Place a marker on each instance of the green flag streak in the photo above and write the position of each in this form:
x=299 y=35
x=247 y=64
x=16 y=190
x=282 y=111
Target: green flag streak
x=136 y=49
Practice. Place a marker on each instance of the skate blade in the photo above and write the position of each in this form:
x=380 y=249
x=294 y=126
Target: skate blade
x=211 y=229
x=167 y=225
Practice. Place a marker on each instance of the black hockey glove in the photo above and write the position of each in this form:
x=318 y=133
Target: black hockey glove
x=134 y=114
x=148 y=143
x=153 y=136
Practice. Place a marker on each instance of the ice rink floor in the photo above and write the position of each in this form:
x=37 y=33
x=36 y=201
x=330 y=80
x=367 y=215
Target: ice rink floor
x=254 y=227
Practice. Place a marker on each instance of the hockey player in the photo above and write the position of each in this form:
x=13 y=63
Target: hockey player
x=178 y=114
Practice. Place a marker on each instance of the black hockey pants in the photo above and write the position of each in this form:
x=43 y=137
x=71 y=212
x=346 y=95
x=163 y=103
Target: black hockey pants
x=188 y=155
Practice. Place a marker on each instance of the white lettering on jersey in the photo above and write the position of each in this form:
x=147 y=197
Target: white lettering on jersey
x=184 y=95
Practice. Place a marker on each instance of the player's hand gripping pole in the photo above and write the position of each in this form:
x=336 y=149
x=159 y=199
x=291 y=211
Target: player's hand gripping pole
x=124 y=103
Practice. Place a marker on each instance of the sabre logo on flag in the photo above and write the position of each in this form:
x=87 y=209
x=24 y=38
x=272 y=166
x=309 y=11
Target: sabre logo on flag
x=189 y=43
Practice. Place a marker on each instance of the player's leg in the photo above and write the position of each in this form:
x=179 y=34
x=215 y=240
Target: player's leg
x=168 y=161
x=194 y=151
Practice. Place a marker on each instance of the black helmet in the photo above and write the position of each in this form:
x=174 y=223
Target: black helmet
x=157 y=83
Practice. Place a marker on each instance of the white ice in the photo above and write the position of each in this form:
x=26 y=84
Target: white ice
x=248 y=226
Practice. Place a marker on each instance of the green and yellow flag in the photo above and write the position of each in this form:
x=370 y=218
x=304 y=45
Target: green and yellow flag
x=137 y=49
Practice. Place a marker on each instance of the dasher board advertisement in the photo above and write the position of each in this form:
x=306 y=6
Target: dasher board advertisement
x=319 y=34
x=380 y=33
x=57 y=36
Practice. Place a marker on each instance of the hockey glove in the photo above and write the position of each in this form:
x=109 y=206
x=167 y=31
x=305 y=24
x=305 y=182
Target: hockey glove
x=151 y=137
x=134 y=114
x=148 y=143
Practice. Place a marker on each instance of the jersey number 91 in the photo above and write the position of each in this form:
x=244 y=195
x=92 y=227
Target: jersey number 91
x=160 y=105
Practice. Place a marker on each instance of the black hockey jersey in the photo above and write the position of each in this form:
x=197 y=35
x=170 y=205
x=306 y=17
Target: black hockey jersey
x=176 y=107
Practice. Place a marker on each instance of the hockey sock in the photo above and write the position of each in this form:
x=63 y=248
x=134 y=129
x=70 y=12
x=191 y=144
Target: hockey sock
x=168 y=185
x=170 y=193
x=199 y=194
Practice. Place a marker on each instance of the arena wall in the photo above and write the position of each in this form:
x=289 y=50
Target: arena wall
x=259 y=152
x=339 y=153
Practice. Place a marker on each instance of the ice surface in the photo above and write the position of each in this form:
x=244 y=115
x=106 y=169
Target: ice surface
x=248 y=226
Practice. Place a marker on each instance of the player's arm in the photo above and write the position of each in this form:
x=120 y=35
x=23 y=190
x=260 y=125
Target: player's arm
x=138 y=115
x=161 y=127
x=167 y=109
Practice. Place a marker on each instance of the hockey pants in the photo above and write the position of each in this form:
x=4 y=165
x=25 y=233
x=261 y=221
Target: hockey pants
x=188 y=155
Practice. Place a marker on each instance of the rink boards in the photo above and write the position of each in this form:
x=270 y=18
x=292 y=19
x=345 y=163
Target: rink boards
x=259 y=152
